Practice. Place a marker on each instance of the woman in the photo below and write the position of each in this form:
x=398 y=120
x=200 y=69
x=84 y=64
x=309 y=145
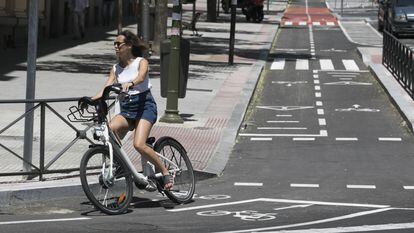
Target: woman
x=139 y=111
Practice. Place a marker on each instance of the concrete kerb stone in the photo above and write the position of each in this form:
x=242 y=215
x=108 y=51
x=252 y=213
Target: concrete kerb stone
x=396 y=93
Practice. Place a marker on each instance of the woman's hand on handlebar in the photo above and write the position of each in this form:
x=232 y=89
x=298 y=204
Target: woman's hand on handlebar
x=84 y=102
x=127 y=86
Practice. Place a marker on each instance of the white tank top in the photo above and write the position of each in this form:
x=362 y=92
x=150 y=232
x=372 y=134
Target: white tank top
x=129 y=73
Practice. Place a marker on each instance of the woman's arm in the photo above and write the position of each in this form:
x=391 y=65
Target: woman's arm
x=109 y=81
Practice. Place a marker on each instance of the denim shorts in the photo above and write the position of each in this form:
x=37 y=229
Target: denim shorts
x=139 y=106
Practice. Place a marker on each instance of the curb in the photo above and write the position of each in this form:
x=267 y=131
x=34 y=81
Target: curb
x=397 y=95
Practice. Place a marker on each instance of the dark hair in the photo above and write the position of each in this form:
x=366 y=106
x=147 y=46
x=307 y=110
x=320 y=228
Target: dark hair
x=138 y=46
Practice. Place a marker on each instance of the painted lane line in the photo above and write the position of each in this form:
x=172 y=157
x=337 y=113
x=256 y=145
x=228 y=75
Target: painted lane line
x=344 y=71
x=292 y=207
x=322 y=133
x=248 y=184
x=339 y=218
x=385 y=139
x=315 y=76
x=315 y=81
x=364 y=228
x=267 y=128
x=346 y=139
x=320 y=111
x=319 y=103
x=278 y=64
x=345 y=79
x=283 y=115
x=326 y=64
x=315 y=71
x=44 y=220
x=283 y=121
x=304 y=185
x=302 y=64
x=317 y=88
x=344 y=76
x=318 y=94
x=260 y=139
x=356 y=186
x=322 y=121
x=408 y=187
x=303 y=139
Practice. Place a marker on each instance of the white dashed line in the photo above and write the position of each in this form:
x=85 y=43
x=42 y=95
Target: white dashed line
x=322 y=121
x=346 y=139
x=390 y=139
x=260 y=139
x=320 y=111
x=282 y=121
x=303 y=139
x=304 y=185
x=319 y=103
x=408 y=187
x=265 y=128
x=352 y=186
x=318 y=94
x=248 y=184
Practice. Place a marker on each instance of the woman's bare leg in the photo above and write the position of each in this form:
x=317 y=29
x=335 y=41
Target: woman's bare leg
x=142 y=130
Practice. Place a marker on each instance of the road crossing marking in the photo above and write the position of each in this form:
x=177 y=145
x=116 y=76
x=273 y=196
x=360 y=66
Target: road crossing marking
x=350 y=65
x=326 y=64
x=322 y=121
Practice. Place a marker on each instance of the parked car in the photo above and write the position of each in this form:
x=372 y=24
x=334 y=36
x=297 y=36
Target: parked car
x=397 y=16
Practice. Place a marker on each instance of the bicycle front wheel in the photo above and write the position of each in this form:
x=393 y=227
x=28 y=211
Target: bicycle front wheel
x=110 y=193
x=181 y=169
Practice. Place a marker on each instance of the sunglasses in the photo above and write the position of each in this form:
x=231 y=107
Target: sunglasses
x=118 y=44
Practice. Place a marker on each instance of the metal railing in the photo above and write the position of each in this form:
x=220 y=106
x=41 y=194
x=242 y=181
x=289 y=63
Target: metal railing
x=399 y=60
x=43 y=168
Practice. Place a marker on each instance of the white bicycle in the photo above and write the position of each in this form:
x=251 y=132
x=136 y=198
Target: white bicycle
x=107 y=173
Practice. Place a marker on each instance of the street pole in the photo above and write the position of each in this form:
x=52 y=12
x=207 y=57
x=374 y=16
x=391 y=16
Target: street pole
x=232 y=31
x=145 y=12
x=342 y=7
x=171 y=111
x=30 y=81
x=119 y=16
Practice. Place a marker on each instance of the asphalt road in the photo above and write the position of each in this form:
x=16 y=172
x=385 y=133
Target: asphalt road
x=321 y=148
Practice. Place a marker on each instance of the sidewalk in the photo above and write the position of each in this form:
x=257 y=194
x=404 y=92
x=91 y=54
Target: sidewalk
x=214 y=106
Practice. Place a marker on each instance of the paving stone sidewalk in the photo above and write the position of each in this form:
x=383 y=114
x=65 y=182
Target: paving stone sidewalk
x=214 y=106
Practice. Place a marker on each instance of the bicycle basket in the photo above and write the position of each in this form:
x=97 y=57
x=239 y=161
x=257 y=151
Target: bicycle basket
x=77 y=115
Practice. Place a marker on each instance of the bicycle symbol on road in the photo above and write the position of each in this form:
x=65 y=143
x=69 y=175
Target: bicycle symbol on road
x=246 y=215
x=356 y=108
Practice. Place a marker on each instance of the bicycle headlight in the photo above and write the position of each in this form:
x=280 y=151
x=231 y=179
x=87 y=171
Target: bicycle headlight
x=400 y=17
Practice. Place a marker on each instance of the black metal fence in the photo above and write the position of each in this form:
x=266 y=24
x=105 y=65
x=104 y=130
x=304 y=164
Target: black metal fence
x=43 y=167
x=399 y=60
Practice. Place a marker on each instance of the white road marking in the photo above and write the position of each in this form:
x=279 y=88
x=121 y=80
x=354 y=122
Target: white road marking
x=291 y=207
x=315 y=76
x=304 y=185
x=364 y=228
x=260 y=139
x=274 y=200
x=322 y=121
x=316 y=23
x=278 y=64
x=319 y=103
x=315 y=71
x=317 y=88
x=284 y=108
x=303 y=23
x=350 y=65
x=315 y=81
x=248 y=184
x=356 y=186
x=344 y=75
x=44 y=220
x=322 y=133
x=408 y=187
x=265 y=128
x=288 y=23
x=318 y=94
x=303 y=139
x=348 y=216
x=390 y=139
x=320 y=111
x=330 y=23
x=302 y=64
x=326 y=64
x=346 y=139
x=350 y=83
x=282 y=121
x=346 y=79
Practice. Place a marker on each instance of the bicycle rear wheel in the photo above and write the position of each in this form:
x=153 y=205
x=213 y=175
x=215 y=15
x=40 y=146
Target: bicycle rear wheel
x=110 y=193
x=184 y=179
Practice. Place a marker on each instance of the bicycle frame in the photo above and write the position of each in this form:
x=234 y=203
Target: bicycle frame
x=105 y=135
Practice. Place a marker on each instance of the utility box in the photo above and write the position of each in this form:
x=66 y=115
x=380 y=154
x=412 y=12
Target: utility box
x=183 y=66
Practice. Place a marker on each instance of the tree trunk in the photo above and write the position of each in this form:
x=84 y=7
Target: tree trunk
x=160 y=27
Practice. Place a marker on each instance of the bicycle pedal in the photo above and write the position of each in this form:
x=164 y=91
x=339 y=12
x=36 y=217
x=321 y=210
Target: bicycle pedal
x=151 y=186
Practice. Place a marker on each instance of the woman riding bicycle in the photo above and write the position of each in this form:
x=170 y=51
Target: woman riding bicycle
x=139 y=111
